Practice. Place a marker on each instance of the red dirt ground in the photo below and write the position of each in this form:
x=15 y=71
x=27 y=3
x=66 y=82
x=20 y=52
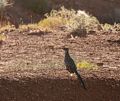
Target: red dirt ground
x=32 y=69
x=55 y=85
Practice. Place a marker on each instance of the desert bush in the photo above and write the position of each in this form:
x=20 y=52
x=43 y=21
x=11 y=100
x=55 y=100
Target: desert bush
x=51 y=22
x=107 y=27
x=56 y=18
x=83 y=23
x=73 y=20
x=3 y=4
x=115 y=28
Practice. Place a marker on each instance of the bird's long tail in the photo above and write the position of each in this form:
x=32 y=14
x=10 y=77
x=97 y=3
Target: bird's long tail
x=80 y=79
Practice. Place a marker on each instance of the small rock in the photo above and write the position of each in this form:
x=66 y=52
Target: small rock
x=31 y=31
x=37 y=31
x=100 y=64
x=113 y=67
x=118 y=65
x=106 y=66
x=91 y=53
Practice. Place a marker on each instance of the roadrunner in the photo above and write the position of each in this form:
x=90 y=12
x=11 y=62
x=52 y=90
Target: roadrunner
x=71 y=67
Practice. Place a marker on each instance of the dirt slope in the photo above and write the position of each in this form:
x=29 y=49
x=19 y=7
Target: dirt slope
x=41 y=50
x=32 y=69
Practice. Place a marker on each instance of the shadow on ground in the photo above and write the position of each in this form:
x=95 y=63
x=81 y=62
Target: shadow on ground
x=58 y=89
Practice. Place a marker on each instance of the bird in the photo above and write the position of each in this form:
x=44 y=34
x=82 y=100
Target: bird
x=71 y=67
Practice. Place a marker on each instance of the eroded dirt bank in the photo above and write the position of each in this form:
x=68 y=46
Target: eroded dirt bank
x=56 y=85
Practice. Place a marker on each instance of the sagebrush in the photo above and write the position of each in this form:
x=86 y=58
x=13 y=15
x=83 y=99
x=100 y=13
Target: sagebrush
x=73 y=20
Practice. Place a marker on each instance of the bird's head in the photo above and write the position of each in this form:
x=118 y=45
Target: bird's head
x=65 y=49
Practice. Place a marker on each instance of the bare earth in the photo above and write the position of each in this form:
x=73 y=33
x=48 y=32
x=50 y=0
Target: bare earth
x=32 y=69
